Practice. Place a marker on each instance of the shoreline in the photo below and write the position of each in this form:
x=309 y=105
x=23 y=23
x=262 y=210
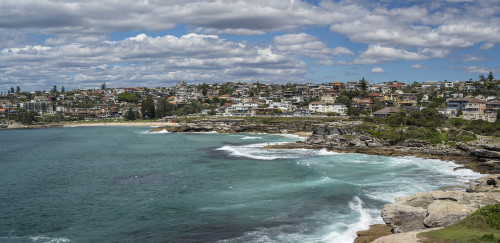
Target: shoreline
x=91 y=124
x=120 y=124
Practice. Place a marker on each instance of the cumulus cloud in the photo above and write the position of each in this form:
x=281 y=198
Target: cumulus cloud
x=148 y=60
x=78 y=36
x=303 y=44
x=377 y=54
x=419 y=66
x=378 y=70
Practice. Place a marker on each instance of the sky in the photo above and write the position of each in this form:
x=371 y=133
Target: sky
x=129 y=43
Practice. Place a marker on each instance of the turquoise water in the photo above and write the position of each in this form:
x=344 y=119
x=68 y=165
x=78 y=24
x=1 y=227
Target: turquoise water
x=124 y=184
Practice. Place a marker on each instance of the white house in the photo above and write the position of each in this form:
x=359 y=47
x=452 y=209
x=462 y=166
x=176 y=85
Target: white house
x=284 y=106
x=241 y=108
x=322 y=107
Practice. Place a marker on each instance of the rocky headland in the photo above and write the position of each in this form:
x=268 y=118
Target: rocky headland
x=347 y=137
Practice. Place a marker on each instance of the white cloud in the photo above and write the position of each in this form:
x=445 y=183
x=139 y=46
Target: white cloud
x=148 y=60
x=487 y=46
x=377 y=54
x=303 y=44
x=471 y=58
x=479 y=69
x=419 y=66
x=378 y=70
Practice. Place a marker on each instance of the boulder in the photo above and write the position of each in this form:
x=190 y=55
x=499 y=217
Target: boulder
x=444 y=213
x=403 y=218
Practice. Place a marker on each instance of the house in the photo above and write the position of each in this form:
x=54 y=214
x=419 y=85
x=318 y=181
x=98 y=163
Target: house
x=391 y=99
x=475 y=110
x=378 y=96
x=385 y=112
x=492 y=108
x=408 y=99
x=364 y=104
x=430 y=84
x=456 y=105
x=322 y=107
x=241 y=109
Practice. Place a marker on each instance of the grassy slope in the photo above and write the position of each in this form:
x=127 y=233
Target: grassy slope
x=481 y=226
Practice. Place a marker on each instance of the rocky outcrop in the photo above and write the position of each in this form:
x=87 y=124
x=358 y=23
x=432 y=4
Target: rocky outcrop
x=403 y=218
x=240 y=125
x=486 y=155
x=438 y=208
x=489 y=183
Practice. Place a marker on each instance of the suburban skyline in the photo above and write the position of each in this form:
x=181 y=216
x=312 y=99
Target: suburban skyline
x=81 y=44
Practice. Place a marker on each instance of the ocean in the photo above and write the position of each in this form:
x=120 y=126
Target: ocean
x=125 y=184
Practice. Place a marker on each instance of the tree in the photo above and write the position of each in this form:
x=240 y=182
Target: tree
x=62 y=89
x=164 y=108
x=127 y=97
x=11 y=90
x=18 y=89
x=364 y=86
x=54 y=89
x=130 y=115
x=148 y=108
x=490 y=76
x=27 y=118
x=103 y=86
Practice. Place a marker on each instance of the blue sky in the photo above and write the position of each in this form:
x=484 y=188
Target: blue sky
x=81 y=44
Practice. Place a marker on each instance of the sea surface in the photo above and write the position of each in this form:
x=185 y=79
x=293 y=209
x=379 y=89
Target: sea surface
x=125 y=184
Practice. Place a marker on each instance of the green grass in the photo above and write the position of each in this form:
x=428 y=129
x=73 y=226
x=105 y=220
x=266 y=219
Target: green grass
x=481 y=226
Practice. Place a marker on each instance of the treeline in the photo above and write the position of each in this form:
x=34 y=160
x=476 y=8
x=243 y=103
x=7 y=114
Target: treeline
x=163 y=108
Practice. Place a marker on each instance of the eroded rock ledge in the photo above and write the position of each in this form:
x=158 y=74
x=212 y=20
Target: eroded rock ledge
x=432 y=210
x=346 y=138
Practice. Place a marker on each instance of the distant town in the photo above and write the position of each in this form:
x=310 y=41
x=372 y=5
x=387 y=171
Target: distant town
x=469 y=100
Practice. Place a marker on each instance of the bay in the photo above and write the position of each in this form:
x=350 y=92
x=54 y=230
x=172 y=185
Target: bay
x=124 y=184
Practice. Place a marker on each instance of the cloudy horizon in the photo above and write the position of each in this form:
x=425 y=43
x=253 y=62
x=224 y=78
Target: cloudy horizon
x=81 y=44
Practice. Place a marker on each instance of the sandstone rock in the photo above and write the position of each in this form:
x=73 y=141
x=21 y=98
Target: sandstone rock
x=421 y=200
x=484 y=153
x=485 y=184
x=403 y=218
x=375 y=231
x=444 y=213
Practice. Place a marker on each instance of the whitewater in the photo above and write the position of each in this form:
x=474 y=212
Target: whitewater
x=126 y=184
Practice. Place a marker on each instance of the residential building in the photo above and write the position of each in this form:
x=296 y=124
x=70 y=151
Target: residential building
x=475 y=110
x=322 y=107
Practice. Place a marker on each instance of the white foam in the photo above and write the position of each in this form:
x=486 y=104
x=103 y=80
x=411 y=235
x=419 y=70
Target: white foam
x=46 y=239
x=295 y=136
x=326 y=152
x=256 y=151
x=366 y=218
x=164 y=131
x=210 y=132
x=438 y=166
x=248 y=138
